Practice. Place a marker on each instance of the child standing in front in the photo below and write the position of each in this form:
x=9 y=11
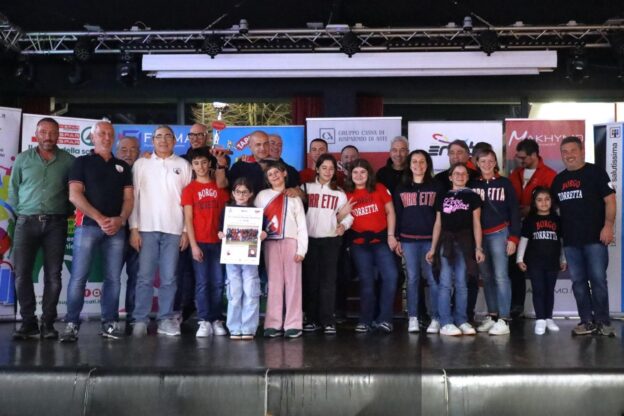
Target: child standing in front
x=243 y=281
x=203 y=203
x=541 y=257
x=284 y=250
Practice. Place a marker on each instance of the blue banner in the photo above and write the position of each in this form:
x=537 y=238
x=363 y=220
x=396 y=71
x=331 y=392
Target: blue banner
x=236 y=138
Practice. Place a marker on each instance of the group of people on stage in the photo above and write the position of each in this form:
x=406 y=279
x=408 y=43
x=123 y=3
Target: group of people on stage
x=161 y=212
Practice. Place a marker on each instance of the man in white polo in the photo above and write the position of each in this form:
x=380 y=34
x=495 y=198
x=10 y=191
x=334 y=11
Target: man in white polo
x=157 y=230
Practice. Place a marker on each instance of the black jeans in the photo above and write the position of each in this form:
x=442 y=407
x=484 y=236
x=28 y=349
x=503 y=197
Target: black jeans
x=518 y=286
x=131 y=260
x=543 y=284
x=185 y=295
x=48 y=232
x=319 y=279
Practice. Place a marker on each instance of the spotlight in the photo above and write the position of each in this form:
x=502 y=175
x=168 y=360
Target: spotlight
x=127 y=71
x=25 y=70
x=83 y=49
x=243 y=26
x=212 y=46
x=577 y=65
x=489 y=42
x=350 y=44
x=467 y=24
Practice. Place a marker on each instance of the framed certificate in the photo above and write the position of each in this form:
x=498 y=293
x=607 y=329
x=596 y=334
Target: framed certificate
x=242 y=227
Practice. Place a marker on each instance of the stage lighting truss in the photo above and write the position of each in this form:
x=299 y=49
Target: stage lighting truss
x=317 y=40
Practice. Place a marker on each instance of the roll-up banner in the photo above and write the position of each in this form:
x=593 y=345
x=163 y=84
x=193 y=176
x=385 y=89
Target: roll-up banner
x=10 y=119
x=75 y=138
x=435 y=137
x=371 y=136
x=608 y=152
x=547 y=133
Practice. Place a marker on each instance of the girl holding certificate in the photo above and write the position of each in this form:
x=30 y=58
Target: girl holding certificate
x=284 y=250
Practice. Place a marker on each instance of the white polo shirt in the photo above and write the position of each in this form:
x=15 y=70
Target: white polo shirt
x=158 y=185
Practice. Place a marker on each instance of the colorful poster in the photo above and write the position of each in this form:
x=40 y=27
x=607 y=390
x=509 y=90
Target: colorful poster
x=547 y=133
x=74 y=138
x=144 y=133
x=242 y=227
x=435 y=137
x=371 y=135
x=10 y=119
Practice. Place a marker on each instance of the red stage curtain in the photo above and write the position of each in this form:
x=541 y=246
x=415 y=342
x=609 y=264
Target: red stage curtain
x=369 y=106
x=303 y=107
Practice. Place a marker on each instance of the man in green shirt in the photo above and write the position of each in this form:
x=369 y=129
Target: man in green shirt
x=39 y=194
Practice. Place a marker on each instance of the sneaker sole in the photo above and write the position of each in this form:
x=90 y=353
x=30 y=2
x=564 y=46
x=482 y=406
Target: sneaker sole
x=109 y=336
x=67 y=340
x=171 y=334
x=433 y=331
x=247 y=337
x=413 y=331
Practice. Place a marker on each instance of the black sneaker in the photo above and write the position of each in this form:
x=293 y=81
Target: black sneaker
x=293 y=333
x=385 y=327
x=48 y=331
x=273 y=333
x=362 y=328
x=584 y=329
x=311 y=327
x=111 y=330
x=605 y=329
x=70 y=334
x=28 y=330
x=329 y=329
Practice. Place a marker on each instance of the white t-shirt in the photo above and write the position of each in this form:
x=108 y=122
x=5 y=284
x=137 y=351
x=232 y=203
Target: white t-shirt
x=528 y=174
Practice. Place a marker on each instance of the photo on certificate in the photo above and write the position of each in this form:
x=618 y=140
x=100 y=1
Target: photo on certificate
x=242 y=227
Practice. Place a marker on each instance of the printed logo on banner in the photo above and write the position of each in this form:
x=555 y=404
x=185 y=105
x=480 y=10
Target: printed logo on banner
x=85 y=136
x=615 y=132
x=328 y=134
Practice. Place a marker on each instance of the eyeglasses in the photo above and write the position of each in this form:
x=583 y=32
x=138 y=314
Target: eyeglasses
x=241 y=193
x=163 y=137
x=196 y=135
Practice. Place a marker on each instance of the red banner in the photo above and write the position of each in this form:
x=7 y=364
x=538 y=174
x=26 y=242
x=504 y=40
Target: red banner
x=547 y=133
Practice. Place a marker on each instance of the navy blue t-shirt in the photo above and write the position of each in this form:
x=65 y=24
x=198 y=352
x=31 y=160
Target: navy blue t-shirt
x=104 y=183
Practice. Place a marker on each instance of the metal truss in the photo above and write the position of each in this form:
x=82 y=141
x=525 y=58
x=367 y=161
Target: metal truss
x=517 y=37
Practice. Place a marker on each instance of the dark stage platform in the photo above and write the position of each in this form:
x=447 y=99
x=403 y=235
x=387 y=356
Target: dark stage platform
x=364 y=374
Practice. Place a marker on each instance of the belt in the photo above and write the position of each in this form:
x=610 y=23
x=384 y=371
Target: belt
x=45 y=217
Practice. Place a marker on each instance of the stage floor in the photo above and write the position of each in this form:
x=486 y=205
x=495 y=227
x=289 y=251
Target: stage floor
x=521 y=350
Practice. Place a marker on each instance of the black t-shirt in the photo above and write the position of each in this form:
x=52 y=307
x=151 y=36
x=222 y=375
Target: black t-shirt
x=580 y=195
x=456 y=208
x=104 y=183
x=544 y=247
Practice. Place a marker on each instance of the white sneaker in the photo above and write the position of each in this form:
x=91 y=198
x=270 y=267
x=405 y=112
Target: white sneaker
x=413 y=325
x=540 y=327
x=551 y=325
x=467 y=329
x=434 y=327
x=218 y=328
x=204 y=330
x=169 y=327
x=451 y=330
x=486 y=324
x=499 y=328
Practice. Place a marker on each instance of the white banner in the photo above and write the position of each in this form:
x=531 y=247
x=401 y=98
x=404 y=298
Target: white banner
x=613 y=165
x=435 y=136
x=371 y=135
x=9 y=142
x=75 y=138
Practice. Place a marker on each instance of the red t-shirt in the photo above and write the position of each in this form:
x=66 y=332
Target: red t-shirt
x=208 y=202
x=369 y=212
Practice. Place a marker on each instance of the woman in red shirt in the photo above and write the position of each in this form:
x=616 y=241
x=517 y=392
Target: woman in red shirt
x=372 y=246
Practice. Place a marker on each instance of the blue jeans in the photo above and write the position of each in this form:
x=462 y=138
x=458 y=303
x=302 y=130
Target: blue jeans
x=366 y=258
x=414 y=253
x=131 y=258
x=495 y=273
x=452 y=272
x=588 y=266
x=209 y=283
x=158 y=251
x=243 y=292
x=86 y=239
